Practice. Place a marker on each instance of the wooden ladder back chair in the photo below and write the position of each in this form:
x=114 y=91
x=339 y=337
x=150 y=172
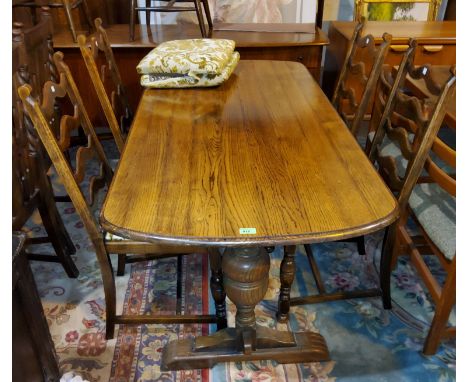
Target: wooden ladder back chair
x=67 y=5
x=107 y=244
x=352 y=108
x=119 y=95
x=115 y=101
x=172 y=6
x=405 y=137
x=31 y=186
x=361 y=50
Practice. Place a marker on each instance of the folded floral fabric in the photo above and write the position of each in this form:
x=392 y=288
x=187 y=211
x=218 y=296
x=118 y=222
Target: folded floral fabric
x=194 y=56
x=191 y=79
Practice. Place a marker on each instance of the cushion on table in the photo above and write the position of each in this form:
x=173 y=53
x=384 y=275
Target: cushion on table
x=193 y=56
x=435 y=210
x=161 y=80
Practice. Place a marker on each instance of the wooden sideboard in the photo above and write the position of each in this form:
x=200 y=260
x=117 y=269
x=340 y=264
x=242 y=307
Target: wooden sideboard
x=302 y=47
x=436 y=39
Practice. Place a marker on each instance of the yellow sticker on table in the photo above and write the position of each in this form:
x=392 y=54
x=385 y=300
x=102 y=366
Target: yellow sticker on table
x=247 y=231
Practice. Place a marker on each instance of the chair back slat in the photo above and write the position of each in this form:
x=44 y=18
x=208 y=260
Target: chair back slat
x=355 y=74
x=411 y=125
x=70 y=123
x=61 y=165
x=102 y=43
x=101 y=92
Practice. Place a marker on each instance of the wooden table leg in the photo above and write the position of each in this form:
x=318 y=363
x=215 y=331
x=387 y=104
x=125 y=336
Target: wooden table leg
x=287 y=272
x=217 y=288
x=245 y=274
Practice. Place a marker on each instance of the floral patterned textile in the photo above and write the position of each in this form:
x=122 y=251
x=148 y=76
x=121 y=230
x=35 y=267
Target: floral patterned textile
x=197 y=56
x=366 y=342
x=161 y=80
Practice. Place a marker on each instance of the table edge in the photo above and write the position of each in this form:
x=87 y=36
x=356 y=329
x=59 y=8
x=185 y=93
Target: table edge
x=251 y=241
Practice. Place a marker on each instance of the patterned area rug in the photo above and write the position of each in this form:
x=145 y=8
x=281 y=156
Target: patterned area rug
x=366 y=343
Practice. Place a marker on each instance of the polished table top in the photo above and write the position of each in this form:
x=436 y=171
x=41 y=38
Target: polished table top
x=263 y=159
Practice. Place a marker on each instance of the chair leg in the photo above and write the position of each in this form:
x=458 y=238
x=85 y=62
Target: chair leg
x=121 y=264
x=201 y=21
x=87 y=15
x=361 y=245
x=68 y=265
x=108 y=282
x=442 y=312
x=68 y=12
x=206 y=6
x=132 y=20
x=315 y=269
x=179 y=285
x=217 y=287
x=385 y=265
x=287 y=271
x=54 y=226
x=148 y=14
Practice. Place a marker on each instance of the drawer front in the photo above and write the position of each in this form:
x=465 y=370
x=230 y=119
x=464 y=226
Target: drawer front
x=434 y=54
x=310 y=56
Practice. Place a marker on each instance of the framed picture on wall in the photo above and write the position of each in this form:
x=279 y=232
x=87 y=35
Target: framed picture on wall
x=245 y=11
x=396 y=10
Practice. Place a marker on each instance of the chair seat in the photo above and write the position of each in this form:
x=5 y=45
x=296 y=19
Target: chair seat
x=113 y=163
x=435 y=210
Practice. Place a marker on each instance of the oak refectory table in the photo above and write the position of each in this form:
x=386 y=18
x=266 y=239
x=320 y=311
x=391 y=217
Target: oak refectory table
x=261 y=160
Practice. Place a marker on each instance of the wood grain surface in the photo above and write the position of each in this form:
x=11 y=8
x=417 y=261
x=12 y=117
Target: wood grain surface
x=265 y=150
x=152 y=35
x=423 y=31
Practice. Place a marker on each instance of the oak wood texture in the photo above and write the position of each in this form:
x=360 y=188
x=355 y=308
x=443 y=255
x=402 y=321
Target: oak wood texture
x=34 y=356
x=301 y=47
x=264 y=150
x=401 y=116
x=427 y=34
x=32 y=64
x=84 y=205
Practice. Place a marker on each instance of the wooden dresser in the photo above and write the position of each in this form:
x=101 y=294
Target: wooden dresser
x=302 y=47
x=436 y=39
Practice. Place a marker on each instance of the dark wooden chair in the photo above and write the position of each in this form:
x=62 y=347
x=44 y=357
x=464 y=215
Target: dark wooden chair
x=401 y=148
x=363 y=64
x=106 y=244
x=33 y=352
x=172 y=6
x=420 y=168
x=31 y=186
x=116 y=90
x=67 y=5
x=113 y=98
